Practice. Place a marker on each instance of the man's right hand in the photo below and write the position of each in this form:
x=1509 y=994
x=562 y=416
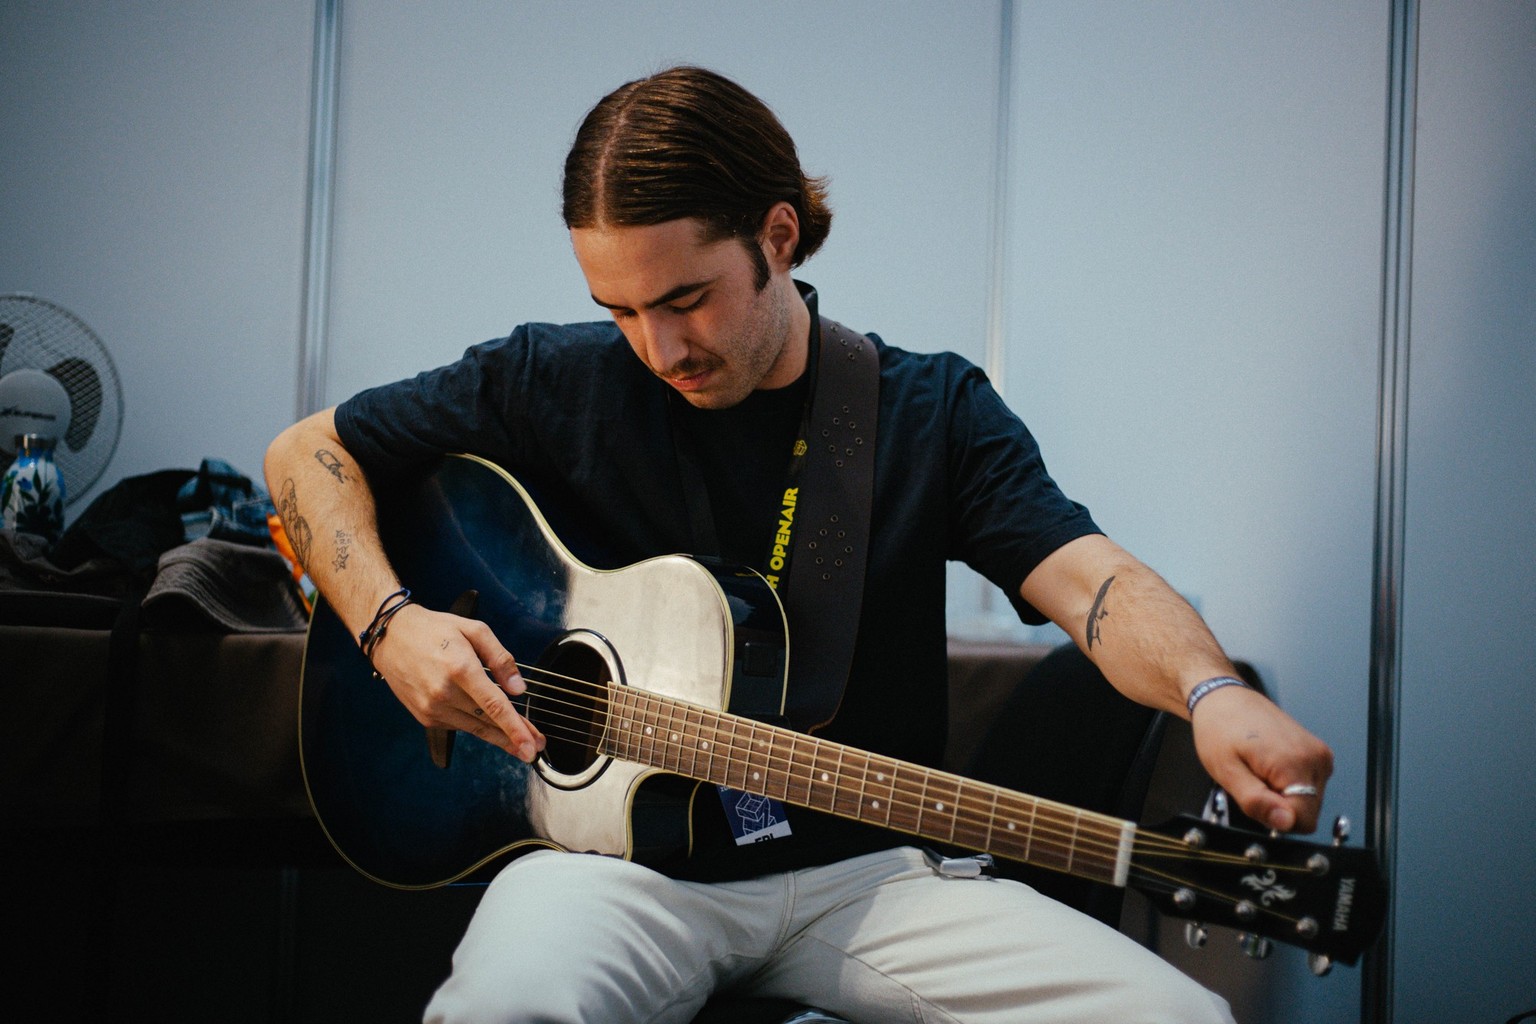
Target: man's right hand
x=449 y=672
x=452 y=673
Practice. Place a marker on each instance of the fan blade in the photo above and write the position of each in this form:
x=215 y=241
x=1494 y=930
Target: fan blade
x=83 y=385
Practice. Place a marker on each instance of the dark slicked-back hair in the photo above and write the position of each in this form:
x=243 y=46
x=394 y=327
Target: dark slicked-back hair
x=690 y=143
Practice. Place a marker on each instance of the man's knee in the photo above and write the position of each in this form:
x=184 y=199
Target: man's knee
x=563 y=937
x=1174 y=998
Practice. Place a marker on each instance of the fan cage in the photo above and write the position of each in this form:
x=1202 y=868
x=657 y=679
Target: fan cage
x=41 y=335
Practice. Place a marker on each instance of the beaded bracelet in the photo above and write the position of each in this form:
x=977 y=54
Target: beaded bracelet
x=1209 y=685
x=369 y=638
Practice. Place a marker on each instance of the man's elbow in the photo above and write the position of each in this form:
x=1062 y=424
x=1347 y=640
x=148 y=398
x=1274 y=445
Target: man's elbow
x=312 y=432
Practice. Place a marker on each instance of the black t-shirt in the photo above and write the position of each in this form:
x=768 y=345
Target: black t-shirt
x=573 y=411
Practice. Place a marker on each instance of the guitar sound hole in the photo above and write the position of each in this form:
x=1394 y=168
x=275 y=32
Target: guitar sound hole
x=568 y=708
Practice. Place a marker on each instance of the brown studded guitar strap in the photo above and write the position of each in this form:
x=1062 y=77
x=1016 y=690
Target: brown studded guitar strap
x=819 y=552
x=828 y=552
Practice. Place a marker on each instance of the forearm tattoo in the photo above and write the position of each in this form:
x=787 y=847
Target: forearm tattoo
x=332 y=464
x=343 y=550
x=297 y=528
x=1097 y=614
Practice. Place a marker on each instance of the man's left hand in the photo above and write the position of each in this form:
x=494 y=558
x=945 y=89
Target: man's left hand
x=1255 y=751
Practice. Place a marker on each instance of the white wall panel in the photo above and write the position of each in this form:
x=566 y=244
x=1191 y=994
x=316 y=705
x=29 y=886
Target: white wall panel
x=1195 y=257
x=1466 y=814
x=453 y=127
x=152 y=182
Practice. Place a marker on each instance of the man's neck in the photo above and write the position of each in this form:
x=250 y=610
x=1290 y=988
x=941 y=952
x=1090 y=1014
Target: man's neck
x=795 y=356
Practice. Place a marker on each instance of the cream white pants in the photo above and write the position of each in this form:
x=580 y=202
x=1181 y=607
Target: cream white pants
x=581 y=938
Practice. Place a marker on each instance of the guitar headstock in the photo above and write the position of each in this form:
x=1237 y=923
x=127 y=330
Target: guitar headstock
x=1328 y=899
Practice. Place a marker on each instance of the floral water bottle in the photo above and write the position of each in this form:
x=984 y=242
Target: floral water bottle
x=32 y=492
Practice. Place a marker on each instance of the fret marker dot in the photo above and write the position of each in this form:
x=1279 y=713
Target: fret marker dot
x=648 y=730
x=1010 y=826
x=704 y=746
x=756 y=776
x=880 y=776
x=825 y=776
x=875 y=804
x=939 y=805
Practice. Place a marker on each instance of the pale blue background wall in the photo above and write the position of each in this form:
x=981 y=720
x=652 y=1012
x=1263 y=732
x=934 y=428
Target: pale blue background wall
x=1192 y=283
x=1466 y=814
x=152 y=164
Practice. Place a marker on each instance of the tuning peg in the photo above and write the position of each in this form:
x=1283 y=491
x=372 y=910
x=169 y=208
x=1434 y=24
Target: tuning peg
x=1195 y=934
x=1340 y=830
x=1256 y=946
x=1320 y=963
x=1216 y=809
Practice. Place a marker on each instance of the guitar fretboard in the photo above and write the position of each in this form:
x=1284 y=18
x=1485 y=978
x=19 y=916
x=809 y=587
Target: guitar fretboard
x=728 y=750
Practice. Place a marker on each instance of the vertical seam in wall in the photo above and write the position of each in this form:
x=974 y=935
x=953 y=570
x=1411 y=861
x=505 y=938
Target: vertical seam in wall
x=997 y=280
x=1391 y=488
x=997 y=335
x=315 y=315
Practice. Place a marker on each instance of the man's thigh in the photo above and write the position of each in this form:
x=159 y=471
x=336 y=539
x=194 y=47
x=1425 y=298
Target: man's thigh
x=918 y=946
x=577 y=937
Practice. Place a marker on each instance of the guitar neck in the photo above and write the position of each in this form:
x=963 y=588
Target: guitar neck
x=728 y=750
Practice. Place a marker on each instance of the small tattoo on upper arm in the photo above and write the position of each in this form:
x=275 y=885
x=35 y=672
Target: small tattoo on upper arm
x=1097 y=614
x=299 y=536
x=332 y=464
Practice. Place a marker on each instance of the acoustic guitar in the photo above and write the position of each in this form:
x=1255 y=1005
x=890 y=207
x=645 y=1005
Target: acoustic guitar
x=652 y=679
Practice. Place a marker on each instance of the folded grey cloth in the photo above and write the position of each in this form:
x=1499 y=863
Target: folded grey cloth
x=236 y=588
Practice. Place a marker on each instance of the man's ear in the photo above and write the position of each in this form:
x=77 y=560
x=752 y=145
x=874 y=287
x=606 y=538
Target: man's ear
x=780 y=236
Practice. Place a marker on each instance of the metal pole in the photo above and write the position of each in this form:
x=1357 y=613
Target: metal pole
x=997 y=331
x=1376 y=980
x=313 y=330
x=997 y=291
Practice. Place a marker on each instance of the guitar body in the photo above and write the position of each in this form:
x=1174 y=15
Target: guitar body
x=412 y=810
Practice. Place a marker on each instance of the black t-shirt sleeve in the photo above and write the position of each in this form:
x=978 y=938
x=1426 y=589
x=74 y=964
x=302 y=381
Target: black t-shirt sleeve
x=1008 y=513
x=461 y=407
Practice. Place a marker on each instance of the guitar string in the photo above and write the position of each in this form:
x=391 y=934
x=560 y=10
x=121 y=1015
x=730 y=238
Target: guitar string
x=1101 y=842
x=1146 y=843
x=1175 y=882
x=732 y=744
x=1060 y=820
x=1090 y=834
x=1148 y=875
x=921 y=794
x=1086 y=844
x=1142 y=872
x=1082 y=853
x=904 y=798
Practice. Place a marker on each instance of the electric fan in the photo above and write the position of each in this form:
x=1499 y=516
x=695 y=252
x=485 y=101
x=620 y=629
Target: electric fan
x=56 y=379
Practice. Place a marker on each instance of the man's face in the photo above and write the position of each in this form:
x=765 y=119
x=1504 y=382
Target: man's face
x=691 y=310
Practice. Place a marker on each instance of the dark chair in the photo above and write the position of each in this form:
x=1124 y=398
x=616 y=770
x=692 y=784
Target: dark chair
x=1066 y=734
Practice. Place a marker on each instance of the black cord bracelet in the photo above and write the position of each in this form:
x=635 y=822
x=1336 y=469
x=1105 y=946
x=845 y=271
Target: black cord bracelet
x=369 y=638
